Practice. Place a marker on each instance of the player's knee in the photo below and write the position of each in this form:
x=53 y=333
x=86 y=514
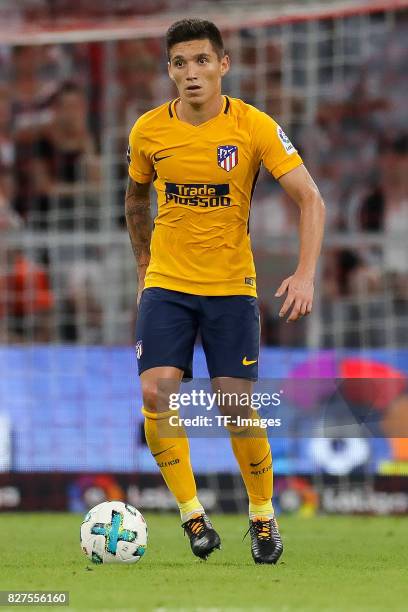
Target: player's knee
x=150 y=396
x=233 y=424
x=236 y=430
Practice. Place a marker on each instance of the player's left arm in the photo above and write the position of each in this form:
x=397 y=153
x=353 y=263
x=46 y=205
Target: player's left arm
x=299 y=287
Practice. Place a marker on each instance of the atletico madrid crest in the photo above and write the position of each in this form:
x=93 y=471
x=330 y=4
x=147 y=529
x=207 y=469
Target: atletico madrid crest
x=227 y=156
x=139 y=349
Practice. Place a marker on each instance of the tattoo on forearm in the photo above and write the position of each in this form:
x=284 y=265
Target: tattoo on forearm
x=138 y=220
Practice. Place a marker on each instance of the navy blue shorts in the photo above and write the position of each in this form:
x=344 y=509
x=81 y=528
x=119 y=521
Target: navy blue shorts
x=168 y=323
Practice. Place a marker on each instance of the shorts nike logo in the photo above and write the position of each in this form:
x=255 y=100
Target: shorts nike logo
x=259 y=462
x=163 y=451
x=247 y=362
x=157 y=159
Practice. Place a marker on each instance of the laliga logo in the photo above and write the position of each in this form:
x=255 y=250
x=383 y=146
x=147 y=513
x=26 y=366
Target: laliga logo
x=296 y=495
x=288 y=146
x=87 y=491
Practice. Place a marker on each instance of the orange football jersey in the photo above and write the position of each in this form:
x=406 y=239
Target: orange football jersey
x=205 y=176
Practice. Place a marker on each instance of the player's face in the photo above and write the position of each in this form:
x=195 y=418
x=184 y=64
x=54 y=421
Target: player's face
x=197 y=70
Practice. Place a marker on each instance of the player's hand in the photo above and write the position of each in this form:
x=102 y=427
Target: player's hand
x=140 y=287
x=139 y=295
x=141 y=273
x=299 y=295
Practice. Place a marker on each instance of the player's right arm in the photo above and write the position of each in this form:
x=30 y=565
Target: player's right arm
x=139 y=224
x=137 y=201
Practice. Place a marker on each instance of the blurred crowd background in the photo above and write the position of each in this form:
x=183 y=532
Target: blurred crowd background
x=336 y=83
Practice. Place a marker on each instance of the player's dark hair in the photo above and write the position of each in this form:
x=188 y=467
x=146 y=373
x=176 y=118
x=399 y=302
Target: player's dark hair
x=195 y=29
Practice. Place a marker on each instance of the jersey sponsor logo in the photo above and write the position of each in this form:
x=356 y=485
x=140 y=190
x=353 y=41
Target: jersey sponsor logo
x=139 y=349
x=287 y=145
x=249 y=280
x=198 y=194
x=248 y=362
x=128 y=155
x=227 y=156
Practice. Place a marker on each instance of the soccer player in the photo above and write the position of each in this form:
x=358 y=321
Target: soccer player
x=203 y=152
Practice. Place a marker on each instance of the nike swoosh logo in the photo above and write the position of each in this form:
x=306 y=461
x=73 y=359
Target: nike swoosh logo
x=247 y=362
x=259 y=462
x=157 y=159
x=163 y=451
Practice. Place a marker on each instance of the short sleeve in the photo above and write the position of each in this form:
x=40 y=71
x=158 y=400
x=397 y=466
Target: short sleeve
x=140 y=166
x=273 y=147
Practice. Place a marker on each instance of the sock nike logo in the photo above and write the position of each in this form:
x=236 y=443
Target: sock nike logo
x=163 y=451
x=259 y=462
x=247 y=362
x=157 y=159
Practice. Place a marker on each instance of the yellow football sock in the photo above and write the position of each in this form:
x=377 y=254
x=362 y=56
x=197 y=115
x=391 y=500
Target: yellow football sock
x=253 y=453
x=170 y=448
x=189 y=509
x=264 y=510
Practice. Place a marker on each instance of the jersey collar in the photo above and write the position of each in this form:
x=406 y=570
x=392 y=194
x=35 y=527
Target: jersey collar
x=173 y=115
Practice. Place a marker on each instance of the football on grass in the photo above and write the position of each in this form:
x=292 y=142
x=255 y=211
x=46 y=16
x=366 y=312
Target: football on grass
x=114 y=532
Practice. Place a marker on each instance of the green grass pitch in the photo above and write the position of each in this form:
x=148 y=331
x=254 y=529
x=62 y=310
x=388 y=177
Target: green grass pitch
x=329 y=564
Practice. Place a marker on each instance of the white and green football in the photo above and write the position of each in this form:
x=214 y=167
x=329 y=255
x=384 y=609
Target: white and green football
x=114 y=532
